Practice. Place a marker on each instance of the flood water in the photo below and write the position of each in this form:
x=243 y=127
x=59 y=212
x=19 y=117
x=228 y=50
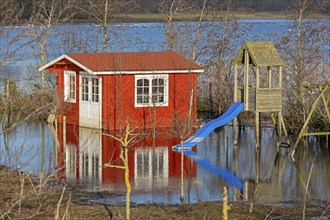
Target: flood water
x=155 y=171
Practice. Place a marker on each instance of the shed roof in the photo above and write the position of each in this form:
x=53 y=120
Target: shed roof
x=262 y=54
x=129 y=62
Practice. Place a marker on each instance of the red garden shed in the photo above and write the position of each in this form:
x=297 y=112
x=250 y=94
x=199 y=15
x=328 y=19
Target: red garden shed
x=100 y=90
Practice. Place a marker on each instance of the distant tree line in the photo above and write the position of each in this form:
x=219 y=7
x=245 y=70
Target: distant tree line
x=250 y=5
x=152 y=6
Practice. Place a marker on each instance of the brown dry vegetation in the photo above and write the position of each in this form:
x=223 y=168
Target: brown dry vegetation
x=42 y=203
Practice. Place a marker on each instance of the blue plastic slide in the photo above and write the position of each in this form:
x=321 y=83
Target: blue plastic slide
x=204 y=131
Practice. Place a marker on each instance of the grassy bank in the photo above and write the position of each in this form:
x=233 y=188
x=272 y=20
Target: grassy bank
x=194 y=16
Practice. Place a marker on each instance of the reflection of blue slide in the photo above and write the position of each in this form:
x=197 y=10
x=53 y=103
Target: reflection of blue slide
x=228 y=176
x=204 y=131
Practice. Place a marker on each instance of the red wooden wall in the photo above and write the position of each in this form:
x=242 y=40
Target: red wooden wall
x=118 y=102
x=70 y=110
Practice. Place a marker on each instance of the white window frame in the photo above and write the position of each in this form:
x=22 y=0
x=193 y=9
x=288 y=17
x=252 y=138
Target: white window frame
x=84 y=88
x=150 y=78
x=67 y=75
x=90 y=90
x=95 y=90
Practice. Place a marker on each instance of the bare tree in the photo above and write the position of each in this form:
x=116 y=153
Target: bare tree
x=169 y=9
x=126 y=140
x=223 y=40
x=42 y=22
x=182 y=129
x=306 y=60
x=103 y=12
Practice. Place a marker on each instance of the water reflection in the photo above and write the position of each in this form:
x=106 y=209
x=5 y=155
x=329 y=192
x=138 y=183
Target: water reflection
x=79 y=154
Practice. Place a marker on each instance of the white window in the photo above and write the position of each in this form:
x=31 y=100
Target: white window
x=151 y=90
x=70 y=86
x=90 y=89
x=84 y=88
x=95 y=90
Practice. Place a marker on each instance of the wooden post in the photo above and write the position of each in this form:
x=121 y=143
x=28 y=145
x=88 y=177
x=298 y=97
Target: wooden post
x=7 y=89
x=280 y=77
x=182 y=174
x=257 y=132
x=8 y=103
x=279 y=122
x=246 y=80
x=235 y=83
x=210 y=101
x=226 y=144
x=269 y=76
x=279 y=131
x=257 y=164
x=225 y=206
x=42 y=152
x=326 y=104
x=237 y=192
x=235 y=100
x=284 y=130
x=257 y=122
x=57 y=144
x=273 y=119
x=64 y=145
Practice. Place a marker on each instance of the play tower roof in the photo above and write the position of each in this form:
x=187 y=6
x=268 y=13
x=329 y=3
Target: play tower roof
x=262 y=54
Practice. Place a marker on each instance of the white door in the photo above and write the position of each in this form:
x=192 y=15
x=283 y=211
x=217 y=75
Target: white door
x=90 y=101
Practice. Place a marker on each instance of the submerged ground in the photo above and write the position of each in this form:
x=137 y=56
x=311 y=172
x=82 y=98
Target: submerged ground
x=21 y=198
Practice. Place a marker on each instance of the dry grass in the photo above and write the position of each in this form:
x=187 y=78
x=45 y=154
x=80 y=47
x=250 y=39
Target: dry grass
x=44 y=206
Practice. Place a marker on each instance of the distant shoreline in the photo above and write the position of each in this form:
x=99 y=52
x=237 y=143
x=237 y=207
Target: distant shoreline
x=193 y=16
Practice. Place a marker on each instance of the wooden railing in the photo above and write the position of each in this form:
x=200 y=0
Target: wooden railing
x=262 y=100
x=269 y=99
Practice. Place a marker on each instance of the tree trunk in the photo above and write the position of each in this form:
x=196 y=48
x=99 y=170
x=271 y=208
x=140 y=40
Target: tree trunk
x=182 y=174
x=43 y=62
x=128 y=186
x=105 y=27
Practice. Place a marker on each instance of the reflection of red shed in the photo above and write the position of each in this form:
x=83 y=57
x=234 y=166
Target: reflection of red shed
x=102 y=89
x=82 y=152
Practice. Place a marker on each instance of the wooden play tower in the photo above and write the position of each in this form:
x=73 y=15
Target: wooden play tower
x=258 y=84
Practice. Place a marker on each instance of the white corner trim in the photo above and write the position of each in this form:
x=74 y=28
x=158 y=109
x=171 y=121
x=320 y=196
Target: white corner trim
x=51 y=63
x=68 y=58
